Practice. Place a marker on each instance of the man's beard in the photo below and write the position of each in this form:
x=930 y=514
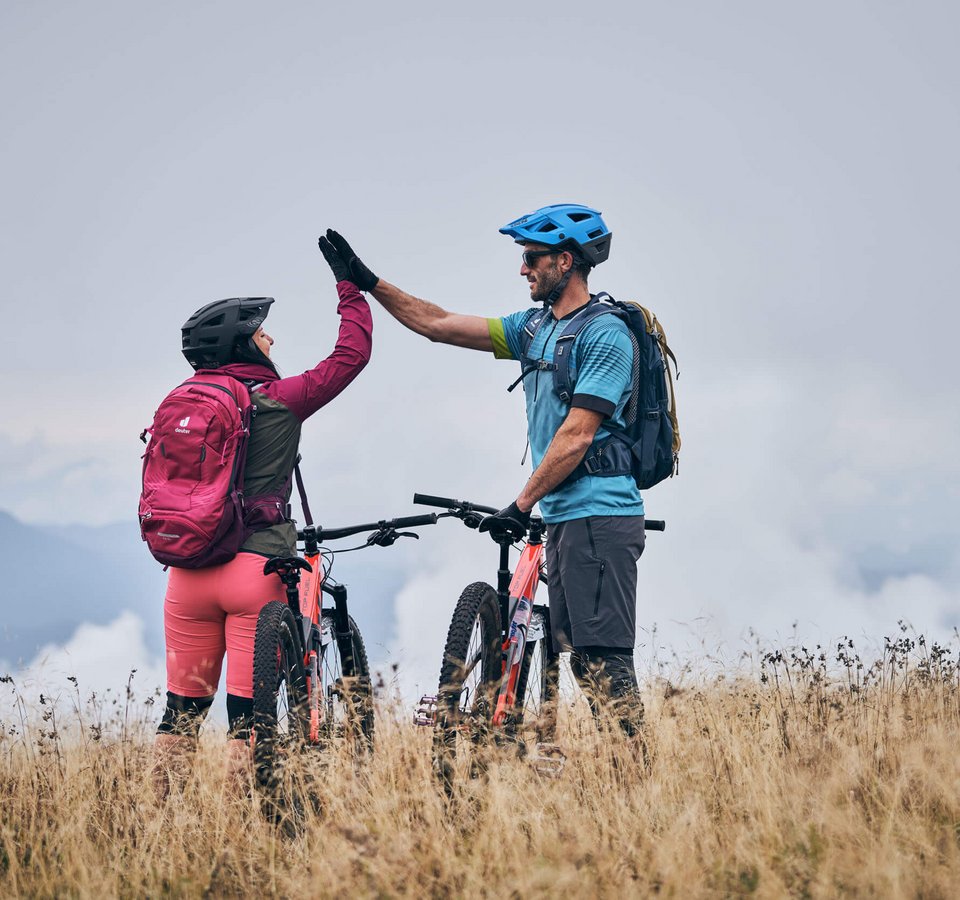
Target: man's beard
x=545 y=283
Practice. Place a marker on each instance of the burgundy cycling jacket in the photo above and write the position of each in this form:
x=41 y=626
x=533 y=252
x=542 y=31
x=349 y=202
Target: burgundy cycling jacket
x=281 y=405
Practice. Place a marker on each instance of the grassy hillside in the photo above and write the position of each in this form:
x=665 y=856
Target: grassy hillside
x=797 y=779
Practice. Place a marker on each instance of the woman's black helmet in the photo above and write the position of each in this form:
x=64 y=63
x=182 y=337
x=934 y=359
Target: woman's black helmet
x=222 y=332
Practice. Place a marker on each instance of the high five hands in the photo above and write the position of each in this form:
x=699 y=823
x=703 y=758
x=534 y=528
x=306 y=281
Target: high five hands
x=344 y=263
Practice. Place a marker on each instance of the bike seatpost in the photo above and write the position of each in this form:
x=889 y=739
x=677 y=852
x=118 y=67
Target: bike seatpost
x=287 y=568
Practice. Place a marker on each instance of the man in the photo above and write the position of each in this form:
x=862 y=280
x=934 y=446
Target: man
x=594 y=521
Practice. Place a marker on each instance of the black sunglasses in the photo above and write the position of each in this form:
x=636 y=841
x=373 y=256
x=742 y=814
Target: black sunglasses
x=530 y=257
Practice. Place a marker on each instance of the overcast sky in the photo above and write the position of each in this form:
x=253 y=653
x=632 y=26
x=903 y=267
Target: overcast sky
x=783 y=186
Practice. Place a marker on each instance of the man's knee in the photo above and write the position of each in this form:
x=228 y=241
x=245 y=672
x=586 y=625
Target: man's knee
x=184 y=715
x=608 y=668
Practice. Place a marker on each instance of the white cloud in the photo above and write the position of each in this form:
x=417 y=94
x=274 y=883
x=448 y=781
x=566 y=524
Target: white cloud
x=102 y=659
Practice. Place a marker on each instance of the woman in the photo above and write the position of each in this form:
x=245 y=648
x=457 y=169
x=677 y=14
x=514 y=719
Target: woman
x=213 y=611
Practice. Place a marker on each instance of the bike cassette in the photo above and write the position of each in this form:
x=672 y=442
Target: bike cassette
x=426 y=712
x=548 y=760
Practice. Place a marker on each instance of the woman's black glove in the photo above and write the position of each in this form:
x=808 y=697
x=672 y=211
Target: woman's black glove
x=344 y=262
x=341 y=271
x=510 y=522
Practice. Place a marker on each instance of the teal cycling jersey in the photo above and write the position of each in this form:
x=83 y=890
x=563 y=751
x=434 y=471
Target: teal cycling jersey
x=601 y=370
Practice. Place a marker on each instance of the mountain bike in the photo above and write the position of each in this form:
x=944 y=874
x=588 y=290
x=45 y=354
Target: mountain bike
x=311 y=676
x=500 y=674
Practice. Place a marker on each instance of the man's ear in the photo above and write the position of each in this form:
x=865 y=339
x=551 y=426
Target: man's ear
x=565 y=254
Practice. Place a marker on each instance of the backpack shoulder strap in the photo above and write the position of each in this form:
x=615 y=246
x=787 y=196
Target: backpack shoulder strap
x=599 y=305
x=530 y=331
x=528 y=365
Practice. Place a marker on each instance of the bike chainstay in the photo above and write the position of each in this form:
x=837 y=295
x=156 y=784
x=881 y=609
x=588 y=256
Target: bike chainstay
x=523 y=590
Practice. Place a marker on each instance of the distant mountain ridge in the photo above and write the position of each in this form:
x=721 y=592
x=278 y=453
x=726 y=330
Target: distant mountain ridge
x=58 y=577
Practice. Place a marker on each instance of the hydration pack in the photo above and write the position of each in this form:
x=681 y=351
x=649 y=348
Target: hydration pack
x=191 y=506
x=648 y=446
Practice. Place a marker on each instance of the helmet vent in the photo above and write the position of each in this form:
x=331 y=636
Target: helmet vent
x=597 y=232
x=214 y=322
x=578 y=216
x=547 y=226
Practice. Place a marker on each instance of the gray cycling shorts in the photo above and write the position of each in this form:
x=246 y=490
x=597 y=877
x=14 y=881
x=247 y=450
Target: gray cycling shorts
x=592 y=580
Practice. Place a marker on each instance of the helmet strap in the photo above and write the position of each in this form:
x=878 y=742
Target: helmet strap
x=554 y=295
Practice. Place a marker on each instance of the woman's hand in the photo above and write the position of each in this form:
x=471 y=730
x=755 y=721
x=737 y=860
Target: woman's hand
x=346 y=265
x=339 y=268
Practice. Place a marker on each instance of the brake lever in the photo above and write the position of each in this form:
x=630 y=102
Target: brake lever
x=473 y=520
x=386 y=537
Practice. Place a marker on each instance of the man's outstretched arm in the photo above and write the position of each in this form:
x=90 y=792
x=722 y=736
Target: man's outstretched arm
x=433 y=321
x=418 y=315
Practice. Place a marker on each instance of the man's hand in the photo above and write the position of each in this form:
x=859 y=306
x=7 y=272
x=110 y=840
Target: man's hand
x=357 y=272
x=510 y=522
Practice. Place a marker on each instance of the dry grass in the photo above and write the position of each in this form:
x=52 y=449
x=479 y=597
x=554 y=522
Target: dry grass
x=809 y=777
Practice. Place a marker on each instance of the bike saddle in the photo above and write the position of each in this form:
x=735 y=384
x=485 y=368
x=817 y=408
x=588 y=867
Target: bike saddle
x=284 y=566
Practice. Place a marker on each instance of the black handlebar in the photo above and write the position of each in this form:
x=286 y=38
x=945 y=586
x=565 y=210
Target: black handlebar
x=332 y=534
x=448 y=503
x=461 y=507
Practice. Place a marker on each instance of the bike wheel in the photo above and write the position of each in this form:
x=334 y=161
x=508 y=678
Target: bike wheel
x=538 y=685
x=346 y=691
x=469 y=679
x=280 y=712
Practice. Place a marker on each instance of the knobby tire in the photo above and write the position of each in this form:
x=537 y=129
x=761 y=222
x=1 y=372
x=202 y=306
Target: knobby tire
x=469 y=679
x=280 y=714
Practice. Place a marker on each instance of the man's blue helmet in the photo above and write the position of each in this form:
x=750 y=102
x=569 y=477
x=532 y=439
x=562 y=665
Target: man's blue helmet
x=566 y=226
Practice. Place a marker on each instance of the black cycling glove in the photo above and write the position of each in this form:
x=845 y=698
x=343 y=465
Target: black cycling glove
x=359 y=274
x=339 y=268
x=510 y=522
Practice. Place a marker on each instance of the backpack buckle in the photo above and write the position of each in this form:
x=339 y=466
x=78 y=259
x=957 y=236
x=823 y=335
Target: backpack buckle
x=594 y=463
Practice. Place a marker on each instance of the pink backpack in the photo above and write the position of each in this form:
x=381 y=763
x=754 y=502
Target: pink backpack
x=191 y=506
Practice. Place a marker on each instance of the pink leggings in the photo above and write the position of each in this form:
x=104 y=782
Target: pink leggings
x=211 y=611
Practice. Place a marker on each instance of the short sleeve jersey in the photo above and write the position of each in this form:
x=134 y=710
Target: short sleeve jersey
x=600 y=370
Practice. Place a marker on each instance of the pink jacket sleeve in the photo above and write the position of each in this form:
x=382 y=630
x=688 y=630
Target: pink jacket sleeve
x=304 y=394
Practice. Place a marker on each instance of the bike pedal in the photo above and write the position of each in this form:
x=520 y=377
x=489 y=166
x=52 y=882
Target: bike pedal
x=426 y=712
x=548 y=760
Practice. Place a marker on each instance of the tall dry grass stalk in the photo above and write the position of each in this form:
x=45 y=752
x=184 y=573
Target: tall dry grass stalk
x=795 y=780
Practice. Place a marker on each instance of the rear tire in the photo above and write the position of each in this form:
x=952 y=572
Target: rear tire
x=469 y=679
x=280 y=713
x=347 y=693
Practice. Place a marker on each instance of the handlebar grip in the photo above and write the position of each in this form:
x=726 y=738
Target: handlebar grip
x=654 y=525
x=430 y=500
x=411 y=521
